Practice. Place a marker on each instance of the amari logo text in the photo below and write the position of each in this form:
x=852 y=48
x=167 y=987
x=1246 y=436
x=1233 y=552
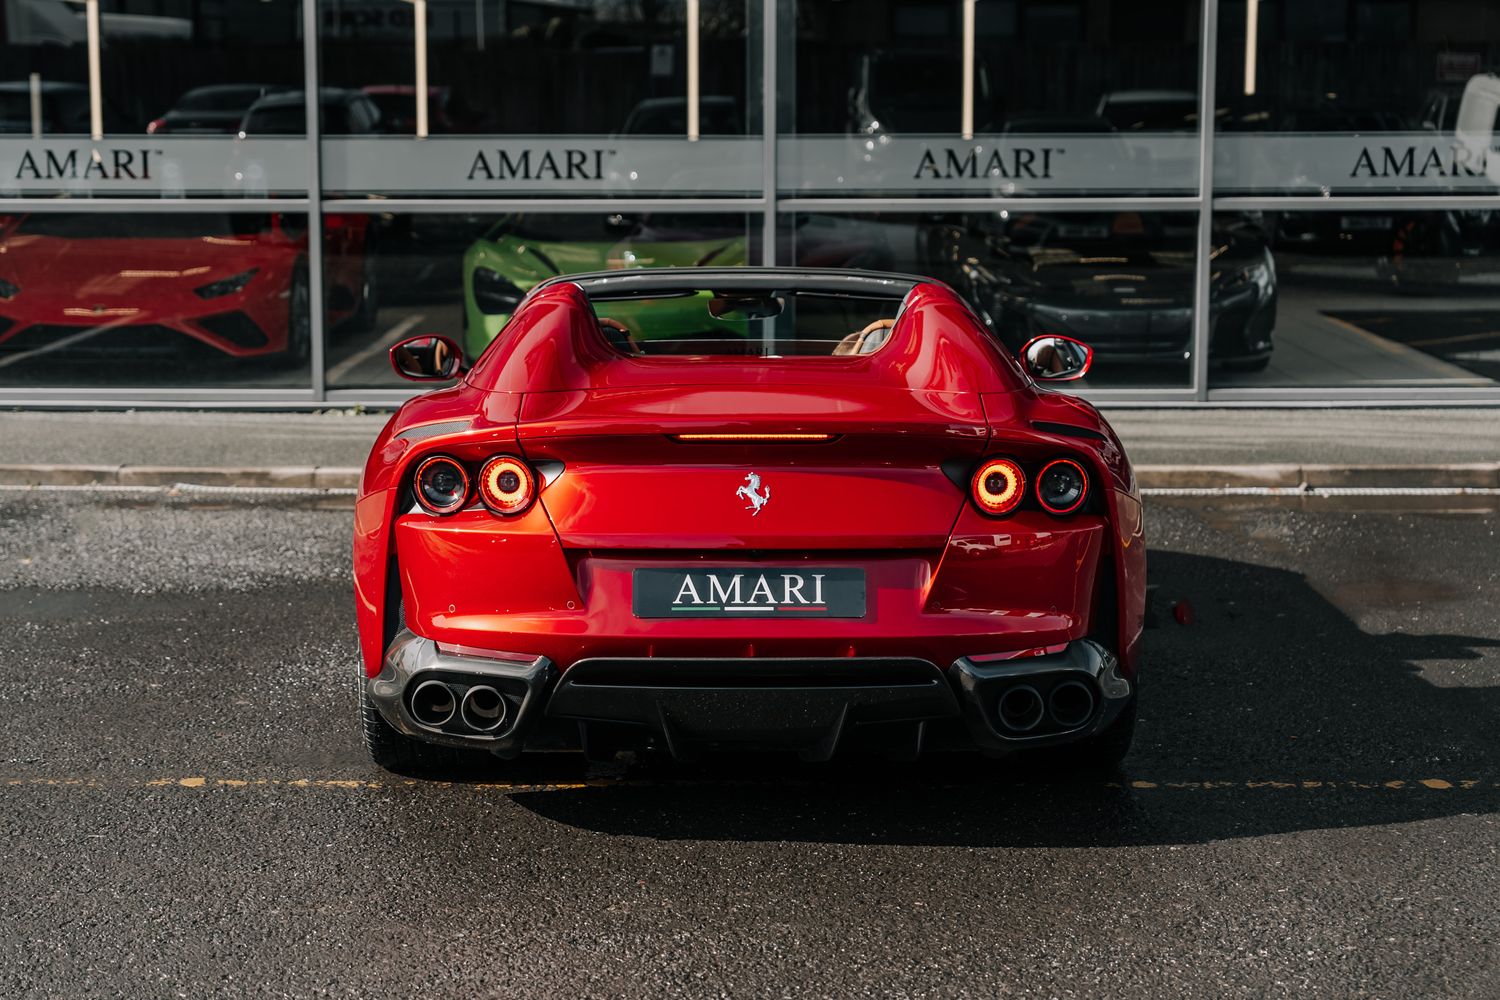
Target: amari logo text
x=730 y=592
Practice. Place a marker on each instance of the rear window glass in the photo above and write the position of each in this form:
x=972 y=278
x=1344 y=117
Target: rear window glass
x=704 y=323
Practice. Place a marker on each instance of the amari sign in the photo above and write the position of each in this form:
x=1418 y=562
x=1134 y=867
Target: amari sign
x=988 y=166
x=1425 y=162
x=731 y=166
x=477 y=167
x=154 y=166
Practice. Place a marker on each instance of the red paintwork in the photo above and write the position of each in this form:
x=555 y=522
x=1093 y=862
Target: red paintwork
x=944 y=580
x=121 y=283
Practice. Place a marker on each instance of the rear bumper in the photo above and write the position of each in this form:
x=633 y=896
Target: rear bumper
x=897 y=706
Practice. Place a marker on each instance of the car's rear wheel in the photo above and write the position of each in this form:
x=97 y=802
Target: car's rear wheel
x=1099 y=754
x=401 y=754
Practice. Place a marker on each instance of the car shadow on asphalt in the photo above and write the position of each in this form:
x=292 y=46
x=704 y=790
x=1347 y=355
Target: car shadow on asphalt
x=1273 y=712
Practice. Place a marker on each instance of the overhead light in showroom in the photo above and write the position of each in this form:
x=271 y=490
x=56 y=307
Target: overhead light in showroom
x=96 y=102
x=1252 y=27
x=692 y=71
x=967 y=125
x=419 y=44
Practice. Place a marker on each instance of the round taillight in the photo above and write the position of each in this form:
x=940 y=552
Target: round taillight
x=1062 y=486
x=999 y=486
x=507 y=485
x=442 y=485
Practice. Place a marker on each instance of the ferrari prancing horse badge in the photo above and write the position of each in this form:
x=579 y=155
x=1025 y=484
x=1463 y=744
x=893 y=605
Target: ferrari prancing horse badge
x=751 y=491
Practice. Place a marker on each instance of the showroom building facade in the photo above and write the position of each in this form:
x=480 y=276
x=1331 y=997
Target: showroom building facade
x=247 y=202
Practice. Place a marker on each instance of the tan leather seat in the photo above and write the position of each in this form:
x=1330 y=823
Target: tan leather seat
x=866 y=341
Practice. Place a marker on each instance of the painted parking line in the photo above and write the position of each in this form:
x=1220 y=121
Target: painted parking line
x=210 y=783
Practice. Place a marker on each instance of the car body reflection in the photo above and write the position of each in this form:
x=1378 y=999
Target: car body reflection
x=139 y=283
x=520 y=250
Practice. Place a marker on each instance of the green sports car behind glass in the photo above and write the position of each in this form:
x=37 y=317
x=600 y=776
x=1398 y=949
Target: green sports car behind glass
x=520 y=251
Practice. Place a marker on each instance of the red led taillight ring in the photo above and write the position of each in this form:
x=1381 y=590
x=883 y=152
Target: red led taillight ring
x=998 y=497
x=416 y=484
x=493 y=482
x=1082 y=495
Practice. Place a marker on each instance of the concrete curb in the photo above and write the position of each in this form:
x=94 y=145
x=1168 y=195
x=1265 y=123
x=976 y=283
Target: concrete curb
x=324 y=477
x=1482 y=475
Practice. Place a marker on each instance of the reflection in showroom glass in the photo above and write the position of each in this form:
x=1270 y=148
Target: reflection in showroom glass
x=1121 y=282
x=197 y=79
x=130 y=299
x=462 y=276
x=1377 y=96
x=594 y=67
x=1392 y=298
x=1056 y=103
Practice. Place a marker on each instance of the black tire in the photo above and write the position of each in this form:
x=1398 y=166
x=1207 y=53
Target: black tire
x=364 y=318
x=399 y=753
x=298 y=350
x=1099 y=754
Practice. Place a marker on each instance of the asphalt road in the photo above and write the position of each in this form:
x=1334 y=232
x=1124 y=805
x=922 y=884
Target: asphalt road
x=1311 y=808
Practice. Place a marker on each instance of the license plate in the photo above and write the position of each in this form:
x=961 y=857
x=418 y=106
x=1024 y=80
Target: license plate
x=761 y=592
x=1368 y=223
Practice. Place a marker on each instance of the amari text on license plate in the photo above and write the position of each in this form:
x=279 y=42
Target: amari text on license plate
x=759 y=592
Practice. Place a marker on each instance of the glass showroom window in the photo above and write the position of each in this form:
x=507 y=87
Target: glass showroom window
x=463 y=275
x=1392 y=298
x=207 y=284
x=599 y=98
x=153 y=99
x=1380 y=117
x=614 y=106
x=991 y=98
x=1122 y=281
x=102 y=300
x=969 y=102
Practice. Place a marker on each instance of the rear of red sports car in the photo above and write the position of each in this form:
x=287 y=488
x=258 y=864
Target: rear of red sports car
x=832 y=514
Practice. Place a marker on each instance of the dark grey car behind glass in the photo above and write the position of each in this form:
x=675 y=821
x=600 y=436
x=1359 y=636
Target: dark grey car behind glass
x=215 y=110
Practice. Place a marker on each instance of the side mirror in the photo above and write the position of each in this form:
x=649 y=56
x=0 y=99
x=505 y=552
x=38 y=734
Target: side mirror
x=428 y=358
x=1052 y=358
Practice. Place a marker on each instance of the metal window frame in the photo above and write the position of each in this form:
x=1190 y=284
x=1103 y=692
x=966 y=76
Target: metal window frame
x=777 y=20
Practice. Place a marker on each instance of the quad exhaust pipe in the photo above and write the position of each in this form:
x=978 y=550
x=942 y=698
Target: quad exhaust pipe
x=1071 y=704
x=1021 y=708
x=433 y=703
x=481 y=708
x=1068 y=705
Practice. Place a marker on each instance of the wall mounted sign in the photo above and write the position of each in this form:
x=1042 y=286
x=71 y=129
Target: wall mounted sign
x=718 y=166
x=477 y=166
x=988 y=166
x=153 y=166
x=1352 y=163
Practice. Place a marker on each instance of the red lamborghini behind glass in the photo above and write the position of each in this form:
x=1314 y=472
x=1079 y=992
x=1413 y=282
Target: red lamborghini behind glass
x=235 y=282
x=833 y=514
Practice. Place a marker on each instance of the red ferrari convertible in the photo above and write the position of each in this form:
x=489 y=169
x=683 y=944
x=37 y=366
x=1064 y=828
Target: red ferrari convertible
x=832 y=513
